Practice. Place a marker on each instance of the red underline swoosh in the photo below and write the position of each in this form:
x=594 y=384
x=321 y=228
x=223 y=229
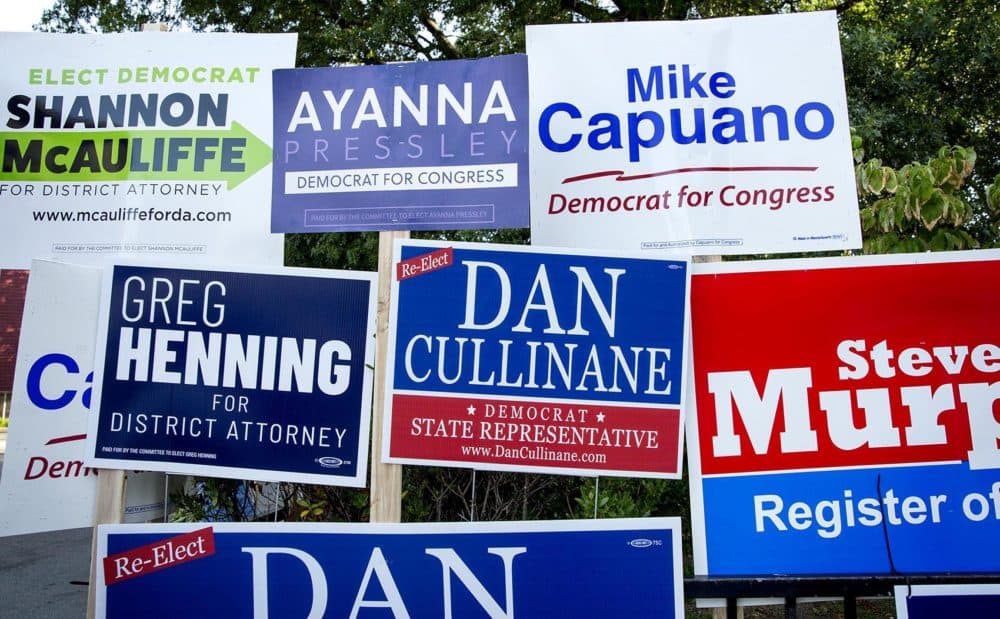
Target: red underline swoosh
x=621 y=176
x=65 y=439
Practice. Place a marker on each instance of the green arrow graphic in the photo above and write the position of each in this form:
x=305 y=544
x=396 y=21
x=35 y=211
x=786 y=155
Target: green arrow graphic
x=232 y=155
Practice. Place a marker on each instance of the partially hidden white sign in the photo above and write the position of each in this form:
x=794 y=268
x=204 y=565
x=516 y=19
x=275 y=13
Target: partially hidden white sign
x=45 y=485
x=138 y=144
x=718 y=136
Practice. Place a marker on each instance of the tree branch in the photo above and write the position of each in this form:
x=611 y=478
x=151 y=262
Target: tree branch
x=418 y=45
x=845 y=6
x=587 y=10
x=444 y=43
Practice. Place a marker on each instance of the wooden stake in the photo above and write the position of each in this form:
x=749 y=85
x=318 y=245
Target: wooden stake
x=717 y=613
x=386 y=479
x=110 y=482
x=109 y=510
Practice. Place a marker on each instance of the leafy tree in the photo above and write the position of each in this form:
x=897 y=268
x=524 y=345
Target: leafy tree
x=354 y=31
x=921 y=207
x=922 y=73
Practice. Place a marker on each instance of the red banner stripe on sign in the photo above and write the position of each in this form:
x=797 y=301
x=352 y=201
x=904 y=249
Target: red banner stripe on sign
x=424 y=263
x=593 y=436
x=159 y=556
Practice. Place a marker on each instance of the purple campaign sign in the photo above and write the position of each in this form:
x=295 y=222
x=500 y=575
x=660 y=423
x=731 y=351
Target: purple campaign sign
x=584 y=569
x=417 y=146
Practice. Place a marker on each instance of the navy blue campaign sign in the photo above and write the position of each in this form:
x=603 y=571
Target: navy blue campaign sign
x=536 y=359
x=251 y=375
x=580 y=569
x=415 y=146
x=935 y=601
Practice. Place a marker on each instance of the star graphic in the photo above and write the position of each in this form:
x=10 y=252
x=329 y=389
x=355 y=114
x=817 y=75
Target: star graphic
x=471 y=410
x=600 y=417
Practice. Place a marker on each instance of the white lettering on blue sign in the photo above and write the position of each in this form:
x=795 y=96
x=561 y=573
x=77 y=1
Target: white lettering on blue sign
x=370 y=108
x=269 y=363
x=391 y=598
x=563 y=366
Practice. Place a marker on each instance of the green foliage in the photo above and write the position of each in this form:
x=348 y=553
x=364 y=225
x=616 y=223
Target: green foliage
x=358 y=32
x=447 y=494
x=310 y=508
x=356 y=251
x=628 y=498
x=921 y=206
x=922 y=73
x=105 y=16
x=993 y=195
x=308 y=503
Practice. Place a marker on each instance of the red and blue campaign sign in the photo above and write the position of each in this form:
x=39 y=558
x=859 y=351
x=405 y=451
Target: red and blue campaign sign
x=846 y=416
x=415 y=146
x=582 y=569
x=251 y=375
x=521 y=358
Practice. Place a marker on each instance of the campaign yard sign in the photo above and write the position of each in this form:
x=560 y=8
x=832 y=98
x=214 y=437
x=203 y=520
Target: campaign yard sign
x=715 y=136
x=845 y=416
x=951 y=600
x=45 y=485
x=523 y=358
x=263 y=374
x=138 y=145
x=415 y=146
x=580 y=568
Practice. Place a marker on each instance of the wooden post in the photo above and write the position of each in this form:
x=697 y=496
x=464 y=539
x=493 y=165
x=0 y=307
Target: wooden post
x=110 y=482
x=109 y=509
x=724 y=612
x=719 y=613
x=386 y=479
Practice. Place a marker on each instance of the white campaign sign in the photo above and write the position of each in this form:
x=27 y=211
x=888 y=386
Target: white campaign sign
x=138 y=144
x=716 y=136
x=45 y=485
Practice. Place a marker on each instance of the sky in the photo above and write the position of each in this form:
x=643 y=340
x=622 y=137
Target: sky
x=19 y=15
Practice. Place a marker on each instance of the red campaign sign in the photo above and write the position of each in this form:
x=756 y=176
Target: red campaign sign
x=822 y=365
x=159 y=556
x=425 y=263
x=520 y=433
